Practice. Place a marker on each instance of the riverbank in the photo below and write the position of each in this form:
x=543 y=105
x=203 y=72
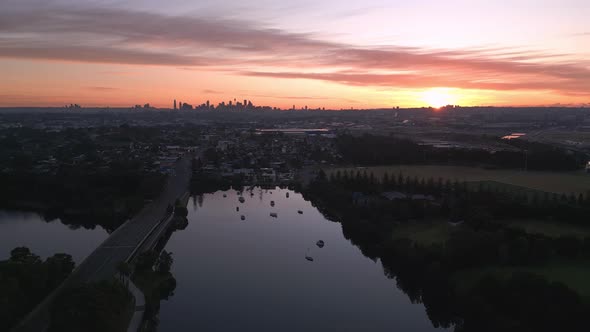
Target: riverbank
x=432 y=259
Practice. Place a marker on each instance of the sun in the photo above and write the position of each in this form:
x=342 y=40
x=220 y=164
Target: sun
x=437 y=98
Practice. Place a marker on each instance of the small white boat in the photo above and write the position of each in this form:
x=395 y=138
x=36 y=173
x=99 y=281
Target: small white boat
x=274 y=214
x=299 y=211
x=320 y=244
x=243 y=217
x=241 y=199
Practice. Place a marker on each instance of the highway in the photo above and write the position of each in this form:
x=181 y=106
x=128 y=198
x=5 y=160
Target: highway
x=102 y=263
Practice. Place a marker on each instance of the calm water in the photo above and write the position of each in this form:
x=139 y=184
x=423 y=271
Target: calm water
x=252 y=275
x=44 y=238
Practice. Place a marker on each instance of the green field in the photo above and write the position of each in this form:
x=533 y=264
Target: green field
x=424 y=233
x=575 y=275
x=555 y=182
x=550 y=228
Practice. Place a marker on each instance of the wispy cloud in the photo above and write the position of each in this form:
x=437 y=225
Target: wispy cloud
x=101 y=35
x=209 y=91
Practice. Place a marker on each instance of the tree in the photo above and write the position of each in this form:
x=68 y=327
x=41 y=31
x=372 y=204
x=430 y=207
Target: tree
x=385 y=181
x=59 y=267
x=164 y=262
x=23 y=255
x=124 y=270
x=146 y=260
x=322 y=175
x=94 y=307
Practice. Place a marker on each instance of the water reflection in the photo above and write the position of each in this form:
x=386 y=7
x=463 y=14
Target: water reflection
x=46 y=237
x=252 y=274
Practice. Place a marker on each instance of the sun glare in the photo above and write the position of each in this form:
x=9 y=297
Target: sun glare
x=437 y=98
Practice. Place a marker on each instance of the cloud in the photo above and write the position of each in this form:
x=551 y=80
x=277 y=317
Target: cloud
x=212 y=92
x=101 y=35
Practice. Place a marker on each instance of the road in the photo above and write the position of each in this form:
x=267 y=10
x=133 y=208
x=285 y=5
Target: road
x=102 y=263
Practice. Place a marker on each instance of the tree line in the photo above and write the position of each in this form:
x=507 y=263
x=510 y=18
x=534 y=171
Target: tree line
x=370 y=150
x=462 y=200
x=430 y=273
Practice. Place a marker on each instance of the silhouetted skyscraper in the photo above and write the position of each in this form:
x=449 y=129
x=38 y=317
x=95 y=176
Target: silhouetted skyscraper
x=174 y=104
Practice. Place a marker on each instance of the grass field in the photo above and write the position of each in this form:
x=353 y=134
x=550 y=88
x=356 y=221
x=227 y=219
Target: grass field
x=550 y=228
x=424 y=233
x=575 y=275
x=555 y=182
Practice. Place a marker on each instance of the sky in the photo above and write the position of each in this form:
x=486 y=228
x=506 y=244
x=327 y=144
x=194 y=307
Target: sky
x=329 y=53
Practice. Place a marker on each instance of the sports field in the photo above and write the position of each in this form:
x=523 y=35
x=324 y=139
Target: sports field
x=556 y=182
x=573 y=274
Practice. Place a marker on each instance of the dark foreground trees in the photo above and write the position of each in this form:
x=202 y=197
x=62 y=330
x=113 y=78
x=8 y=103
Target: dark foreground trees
x=25 y=280
x=93 y=307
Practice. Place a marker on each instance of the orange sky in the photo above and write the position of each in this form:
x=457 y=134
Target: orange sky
x=333 y=55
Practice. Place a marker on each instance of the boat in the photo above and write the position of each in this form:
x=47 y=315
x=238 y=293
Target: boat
x=299 y=211
x=224 y=195
x=237 y=208
x=241 y=199
x=307 y=256
x=274 y=214
x=320 y=244
x=287 y=195
x=243 y=217
x=272 y=203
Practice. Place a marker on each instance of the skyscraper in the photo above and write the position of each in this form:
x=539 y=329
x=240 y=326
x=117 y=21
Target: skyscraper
x=174 y=104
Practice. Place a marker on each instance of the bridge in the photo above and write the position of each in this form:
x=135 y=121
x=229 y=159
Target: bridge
x=140 y=233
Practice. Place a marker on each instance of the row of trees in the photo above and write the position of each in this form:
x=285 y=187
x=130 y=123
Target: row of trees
x=386 y=150
x=105 y=198
x=491 y=198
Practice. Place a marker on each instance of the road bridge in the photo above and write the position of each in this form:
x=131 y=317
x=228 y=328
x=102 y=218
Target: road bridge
x=122 y=244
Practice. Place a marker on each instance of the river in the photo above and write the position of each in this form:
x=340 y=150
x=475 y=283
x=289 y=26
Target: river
x=29 y=229
x=252 y=274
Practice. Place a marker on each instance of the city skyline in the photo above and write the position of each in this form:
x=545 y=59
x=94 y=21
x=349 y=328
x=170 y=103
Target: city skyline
x=380 y=54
